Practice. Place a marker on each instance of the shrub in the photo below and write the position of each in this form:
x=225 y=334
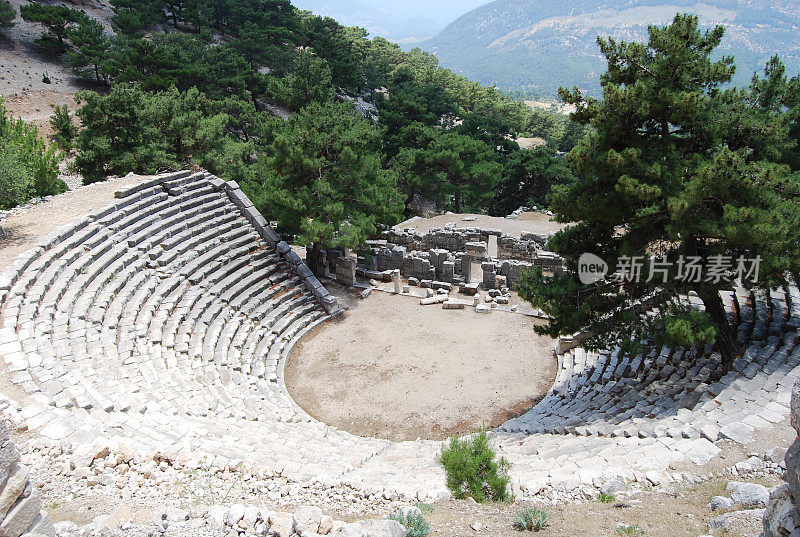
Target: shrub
x=29 y=167
x=473 y=471
x=629 y=529
x=7 y=14
x=531 y=519
x=606 y=498
x=425 y=508
x=16 y=181
x=66 y=131
x=415 y=524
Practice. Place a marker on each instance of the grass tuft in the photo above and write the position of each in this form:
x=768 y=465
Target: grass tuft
x=531 y=519
x=415 y=524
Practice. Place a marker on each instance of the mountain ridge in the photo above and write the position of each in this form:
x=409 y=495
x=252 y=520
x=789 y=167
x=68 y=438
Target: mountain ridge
x=536 y=46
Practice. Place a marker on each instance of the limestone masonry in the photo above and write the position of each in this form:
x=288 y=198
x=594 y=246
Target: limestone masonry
x=162 y=324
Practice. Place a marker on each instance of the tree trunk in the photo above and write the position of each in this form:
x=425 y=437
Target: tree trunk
x=458 y=202
x=314 y=263
x=726 y=339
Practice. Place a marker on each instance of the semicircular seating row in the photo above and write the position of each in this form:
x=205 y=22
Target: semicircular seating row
x=675 y=393
x=165 y=321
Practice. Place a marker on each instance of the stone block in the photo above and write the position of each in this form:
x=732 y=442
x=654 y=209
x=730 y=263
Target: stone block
x=304 y=272
x=348 y=263
x=781 y=516
x=345 y=271
x=308 y=518
x=9 y=457
x=793 y=469
x=439 y=299
x=750 y=495
x=21 y=515
x=13 y=488
x=269 y=235
x=42 y=526
x=292 y=258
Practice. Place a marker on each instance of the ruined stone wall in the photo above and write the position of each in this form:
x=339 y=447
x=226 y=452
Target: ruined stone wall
x=20 y=503
x=782 y=518
x=450 y=239
x=473 y=241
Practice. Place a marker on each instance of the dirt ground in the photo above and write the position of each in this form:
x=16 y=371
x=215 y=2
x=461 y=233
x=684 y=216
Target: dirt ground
x=38 y=106
x=525 y=223
x=24 y=63
x=682 y=512
x=42 y=220
x=394 y=369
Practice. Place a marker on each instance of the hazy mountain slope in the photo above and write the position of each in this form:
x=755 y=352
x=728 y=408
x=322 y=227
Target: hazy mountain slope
x=543 y=44
x=379 y=20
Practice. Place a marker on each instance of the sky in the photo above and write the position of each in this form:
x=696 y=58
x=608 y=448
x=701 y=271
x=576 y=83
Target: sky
x=442 y=11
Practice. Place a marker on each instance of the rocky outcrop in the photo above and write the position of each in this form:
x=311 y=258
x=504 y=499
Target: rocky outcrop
x=20 y=503
x=782 y=518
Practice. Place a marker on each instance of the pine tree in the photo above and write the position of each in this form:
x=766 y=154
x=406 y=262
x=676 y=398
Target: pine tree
x=323 y=179
x=669 y=169
x=528 y=176
x=7 y=14
x=92 y=50
x=309 y=82
x=57 y=19
x=455 y=170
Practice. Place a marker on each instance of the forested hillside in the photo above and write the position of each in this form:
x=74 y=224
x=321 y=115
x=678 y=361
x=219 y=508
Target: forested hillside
x=536 y=46
x=331 y=133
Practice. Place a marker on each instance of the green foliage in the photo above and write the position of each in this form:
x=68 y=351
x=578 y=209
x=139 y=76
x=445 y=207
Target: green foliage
x=91 y=56
x=457 y=171
x=629 y=529
x=16 y=181
x=454 y=134
x=425 y=508
x=685 y=169
x=531 y=519
x=132 y=17
x=687 y=326
x=415 y=524
x=66 y=131
x=184 y=61
x=323 y=180
x=472 y=470
x=57 y=19
x=131 y=130
x=309 y=82
x=7 y=14
x=558 y=130
x=410 y=105
x=527 y=179
x=606 y=498
x=29 y=167
x=331 y=41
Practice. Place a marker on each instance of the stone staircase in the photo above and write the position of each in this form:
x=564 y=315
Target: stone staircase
x=163 y=322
